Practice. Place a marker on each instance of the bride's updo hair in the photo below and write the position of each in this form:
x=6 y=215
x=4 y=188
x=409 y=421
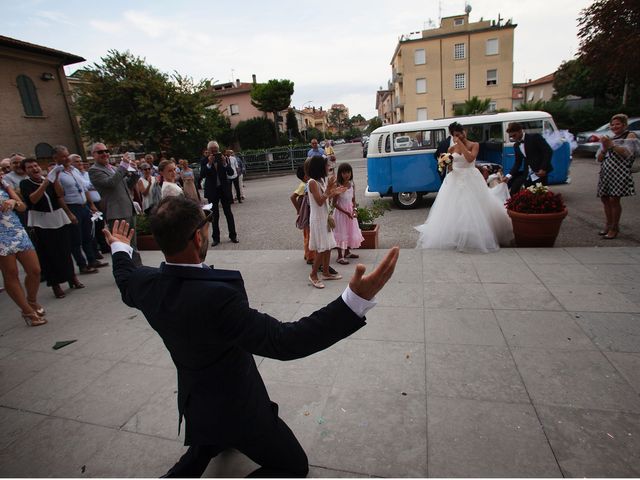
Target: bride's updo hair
x=456 y=127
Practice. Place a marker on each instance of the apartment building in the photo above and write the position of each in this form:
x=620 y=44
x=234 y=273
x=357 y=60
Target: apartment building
x=440 y=68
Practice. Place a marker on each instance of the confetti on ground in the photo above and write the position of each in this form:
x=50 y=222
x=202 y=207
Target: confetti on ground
x=63 y=343
x=610 y=435
x=408 y=356
x=404 y=393
x=132 y=317
x=306 y=414
x=321 y=420
x=343 y=410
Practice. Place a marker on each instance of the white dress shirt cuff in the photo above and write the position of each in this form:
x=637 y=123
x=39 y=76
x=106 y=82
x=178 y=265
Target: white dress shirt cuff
x=121 y=247
x=357 y=304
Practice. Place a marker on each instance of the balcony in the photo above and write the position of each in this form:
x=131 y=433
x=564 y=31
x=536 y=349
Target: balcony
x=397 y=77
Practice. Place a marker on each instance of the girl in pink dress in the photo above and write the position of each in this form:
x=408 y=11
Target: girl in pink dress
x=347 y=233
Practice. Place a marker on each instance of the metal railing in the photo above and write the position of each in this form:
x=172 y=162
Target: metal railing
x=274 y=161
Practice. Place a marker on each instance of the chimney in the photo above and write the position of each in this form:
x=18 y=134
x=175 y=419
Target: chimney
x=237 y=82
x=254 y=78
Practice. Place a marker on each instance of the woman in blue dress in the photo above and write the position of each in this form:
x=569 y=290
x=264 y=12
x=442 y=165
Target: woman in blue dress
x=15 y=246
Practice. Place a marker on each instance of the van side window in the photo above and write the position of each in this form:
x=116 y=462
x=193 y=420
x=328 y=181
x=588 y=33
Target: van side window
x=532 y=126
x=387 y=144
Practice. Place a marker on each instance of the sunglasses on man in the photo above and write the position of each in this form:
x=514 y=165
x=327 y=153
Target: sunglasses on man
x=102 y=152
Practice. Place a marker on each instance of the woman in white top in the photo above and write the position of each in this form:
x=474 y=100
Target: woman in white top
x=169 y=187
x=145 y=186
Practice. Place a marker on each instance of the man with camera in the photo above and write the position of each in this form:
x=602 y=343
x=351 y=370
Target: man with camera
x=214 y=170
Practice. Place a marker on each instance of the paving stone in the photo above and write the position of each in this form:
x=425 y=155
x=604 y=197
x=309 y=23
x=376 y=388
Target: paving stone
x=129 y=386
x=521 y=297
x=593 y=298
x=609 y=274
x=22 y=365
x=541 y=256
x=542 y=330
x=470 y=438
x=472 y=327
x=382 y=366
x=158 y=417
x=473 y=372
x=618 y=332
x=452 y=295
x=628 y=364
x=438 y=271
x=16 y=423
x=361 y=423
x=506 y=272
x=404 y=324
x=593 y=443
x=580 y=379
x=55 y=385
x=553 y=274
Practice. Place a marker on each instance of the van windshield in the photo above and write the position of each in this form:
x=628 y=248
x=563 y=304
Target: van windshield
x=417 y=139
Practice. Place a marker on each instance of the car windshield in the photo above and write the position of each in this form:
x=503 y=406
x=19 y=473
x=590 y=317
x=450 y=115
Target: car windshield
x=603 y=128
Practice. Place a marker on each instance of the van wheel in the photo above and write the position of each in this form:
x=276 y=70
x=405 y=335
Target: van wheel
x=407 y=200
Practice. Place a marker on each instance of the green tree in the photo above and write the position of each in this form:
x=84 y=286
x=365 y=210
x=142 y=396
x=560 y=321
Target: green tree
x=473 y=106
x=255 y=133
x=575 y=78
x=272 y=97
x=122 y=99
x=374 y=123
x=292 y=124
x=608 y=33
x=337 y=118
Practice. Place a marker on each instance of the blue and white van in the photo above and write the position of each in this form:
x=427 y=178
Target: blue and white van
x=401 y=158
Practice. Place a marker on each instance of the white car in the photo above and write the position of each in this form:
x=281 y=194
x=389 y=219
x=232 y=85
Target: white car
x=402 y=143
x=340 y=141
x=590 y=141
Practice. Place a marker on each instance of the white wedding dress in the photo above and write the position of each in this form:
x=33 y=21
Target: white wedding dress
x=465 y=215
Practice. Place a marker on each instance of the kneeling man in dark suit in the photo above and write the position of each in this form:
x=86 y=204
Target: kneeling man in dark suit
x=533 y=159
x=204 y=319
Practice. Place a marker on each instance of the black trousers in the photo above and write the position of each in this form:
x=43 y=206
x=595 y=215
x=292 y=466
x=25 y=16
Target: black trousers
x=519 y=181
x=225 y=200
x=81 y=236
x=236 y=185
x=272 y=445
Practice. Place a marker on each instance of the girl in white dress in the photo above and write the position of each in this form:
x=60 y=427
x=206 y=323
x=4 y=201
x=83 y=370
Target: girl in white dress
x=320 y=236
x=465 y=215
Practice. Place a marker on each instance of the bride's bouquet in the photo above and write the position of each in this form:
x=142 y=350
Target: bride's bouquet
x=444 y=160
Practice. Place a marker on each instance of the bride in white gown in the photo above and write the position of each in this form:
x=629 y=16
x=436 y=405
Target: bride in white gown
x=465 y=216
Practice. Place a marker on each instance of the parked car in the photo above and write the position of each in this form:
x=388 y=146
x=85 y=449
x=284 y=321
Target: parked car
x=340 y=141
x=589 y=142
x=356 y=140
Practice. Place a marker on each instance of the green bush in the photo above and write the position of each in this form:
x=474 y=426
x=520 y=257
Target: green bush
x=367 y=214
x=143 y=224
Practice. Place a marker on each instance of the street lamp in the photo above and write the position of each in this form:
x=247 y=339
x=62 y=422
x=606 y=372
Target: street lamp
x=305 y=126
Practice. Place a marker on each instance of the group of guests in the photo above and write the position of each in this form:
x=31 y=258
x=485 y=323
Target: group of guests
x=51 y=219
x=325 y=202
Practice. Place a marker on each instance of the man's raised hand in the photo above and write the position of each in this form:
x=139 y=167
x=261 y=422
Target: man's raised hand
x=367 y=286
x=119 y=233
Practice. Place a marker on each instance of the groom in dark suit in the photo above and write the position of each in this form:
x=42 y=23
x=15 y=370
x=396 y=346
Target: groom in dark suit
x=204 y=319
x=533 y=159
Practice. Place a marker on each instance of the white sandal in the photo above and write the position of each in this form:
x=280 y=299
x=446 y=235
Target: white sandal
x=316 y=283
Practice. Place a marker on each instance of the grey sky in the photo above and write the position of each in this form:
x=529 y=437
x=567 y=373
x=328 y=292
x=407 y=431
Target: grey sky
x=335 y=52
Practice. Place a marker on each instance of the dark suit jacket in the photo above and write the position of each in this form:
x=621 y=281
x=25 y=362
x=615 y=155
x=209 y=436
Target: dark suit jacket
x=538 y=155
x=211 y=189
x=112 y=186
x=205 y=321
x=443 y=147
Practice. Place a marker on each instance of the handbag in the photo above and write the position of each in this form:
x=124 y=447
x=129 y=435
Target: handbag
x=304 y=213
x=331 y=222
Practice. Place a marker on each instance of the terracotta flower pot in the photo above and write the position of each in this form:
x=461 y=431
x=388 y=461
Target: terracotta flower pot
x=146 y=242
x=370 y=238
x=536 y=229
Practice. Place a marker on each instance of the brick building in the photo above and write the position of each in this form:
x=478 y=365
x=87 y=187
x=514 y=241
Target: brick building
x=36 y=103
